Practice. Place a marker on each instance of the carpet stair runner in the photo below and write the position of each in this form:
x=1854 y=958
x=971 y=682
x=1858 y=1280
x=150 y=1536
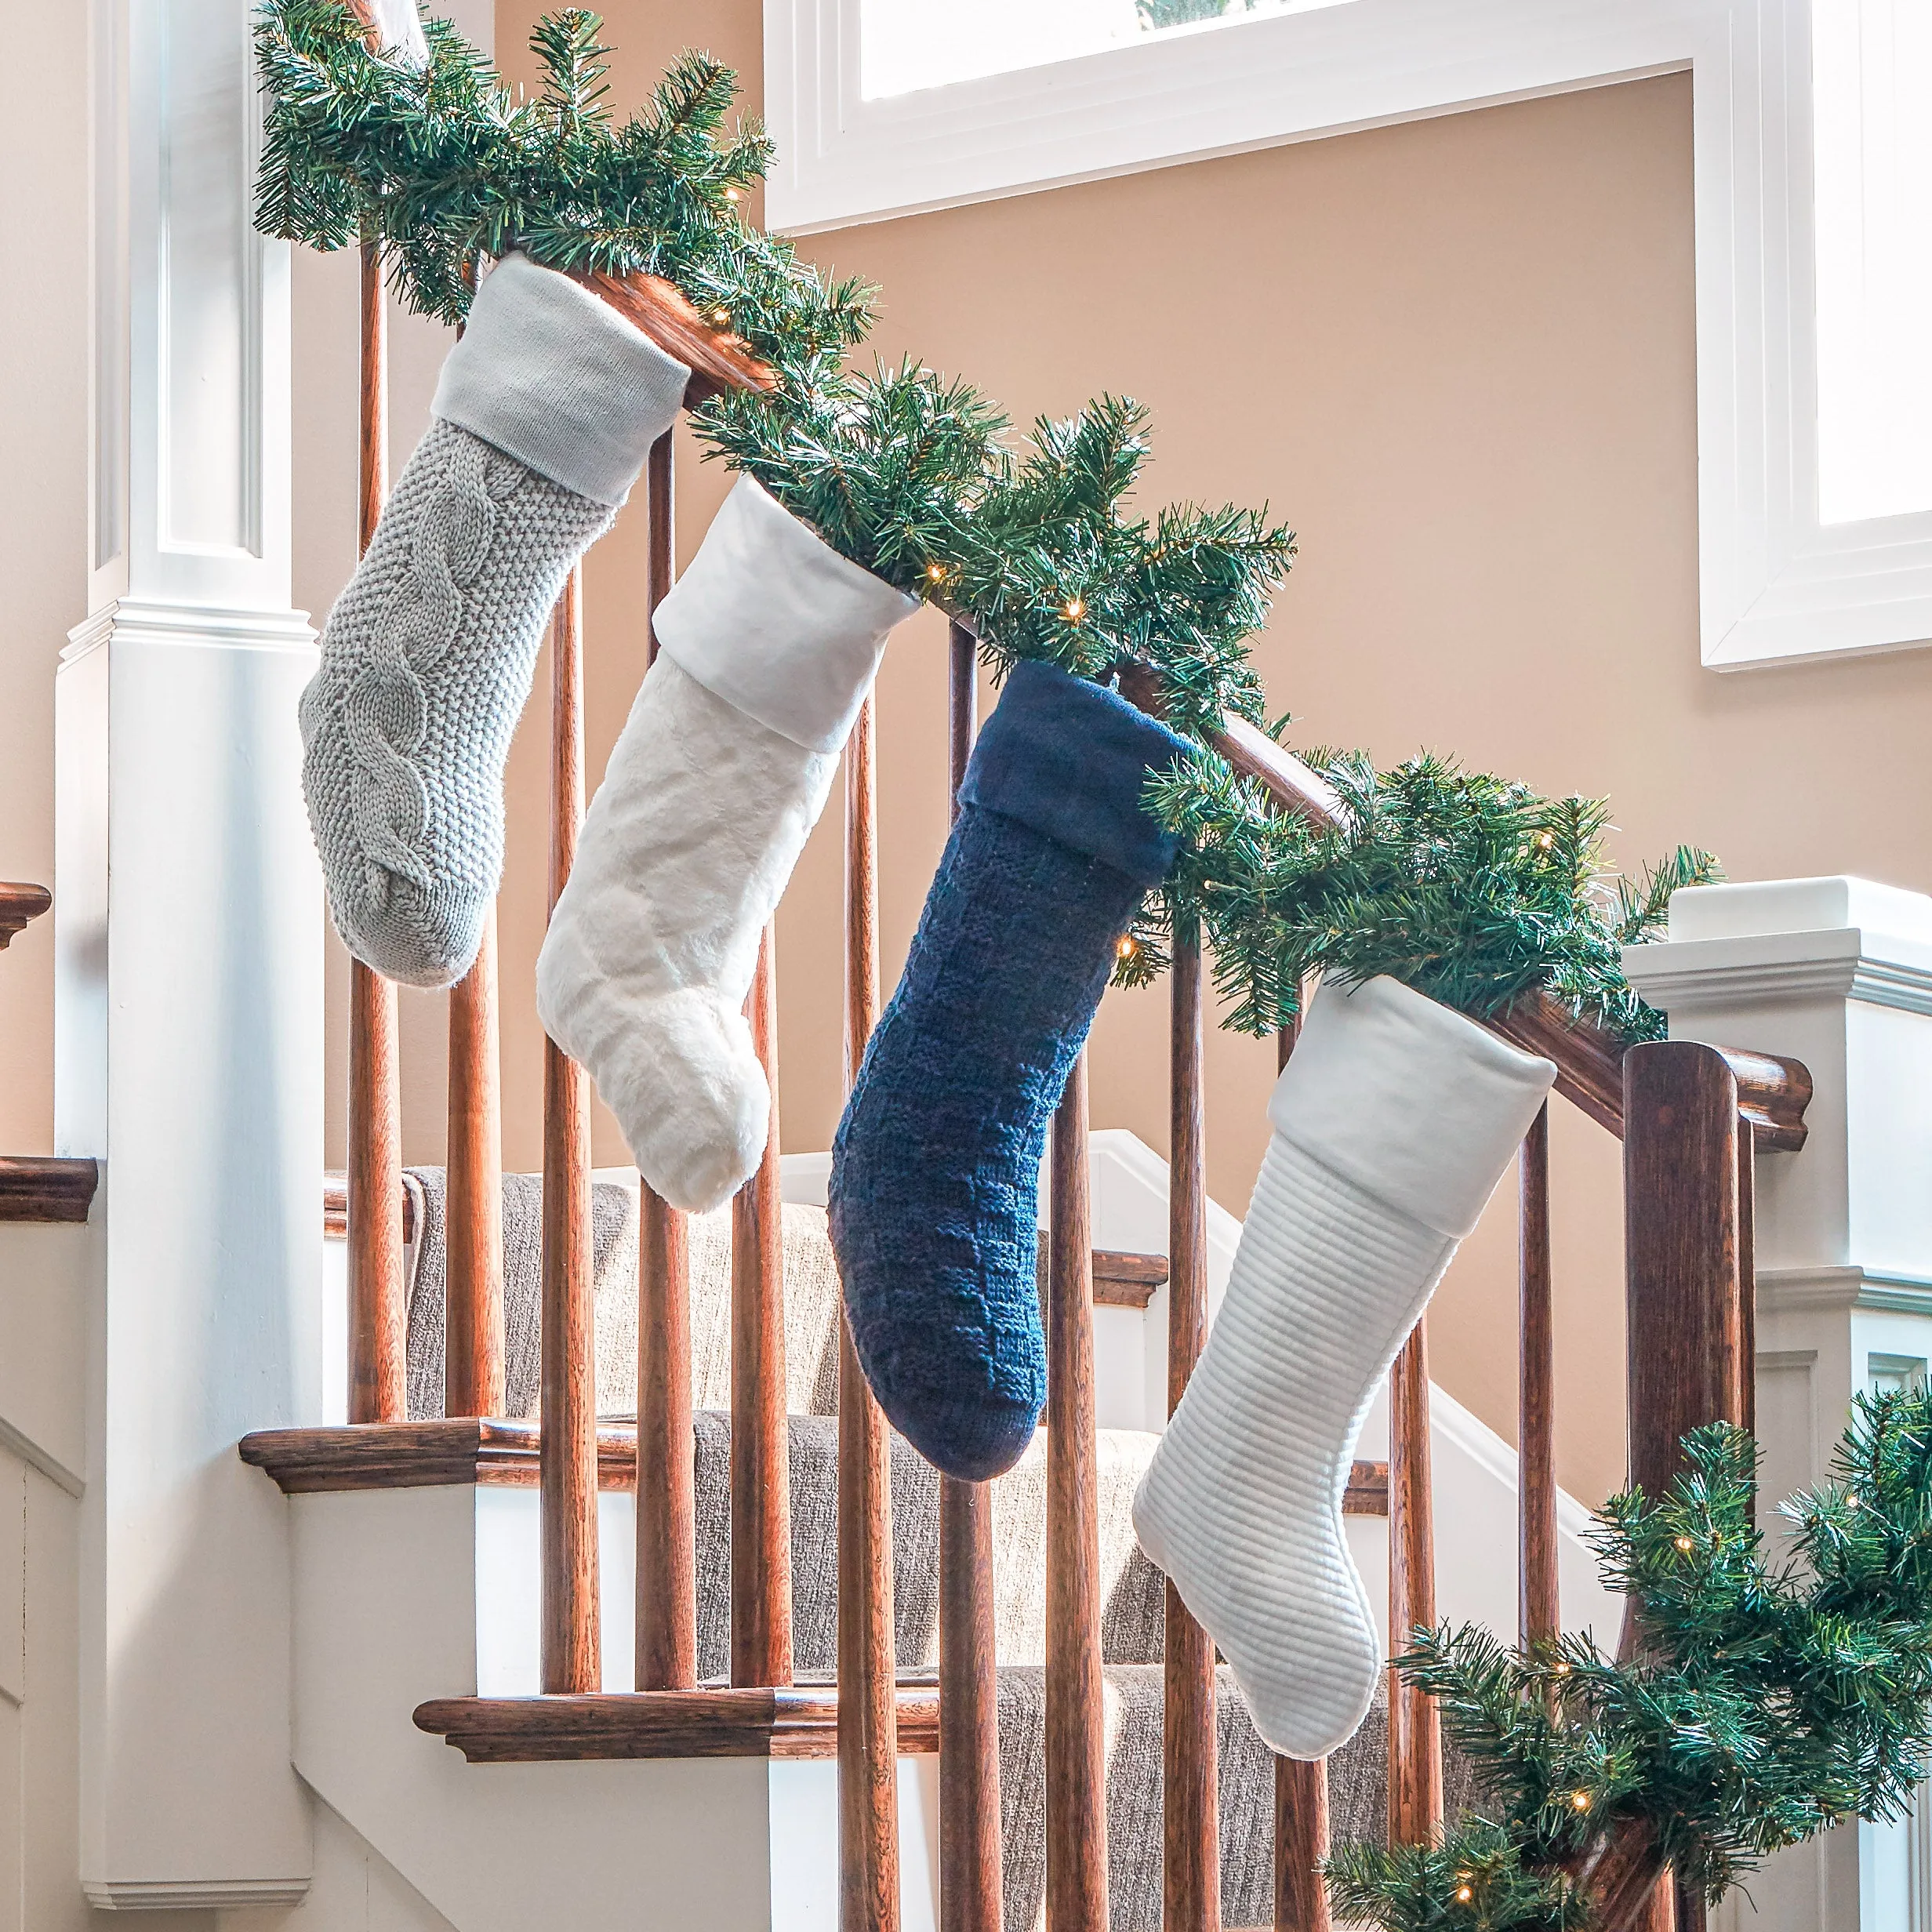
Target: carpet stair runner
x=1132 y=1589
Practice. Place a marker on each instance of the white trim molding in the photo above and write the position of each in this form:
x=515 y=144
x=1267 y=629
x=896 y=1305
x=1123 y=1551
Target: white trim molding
x=1777 y=585
x=190 y=1894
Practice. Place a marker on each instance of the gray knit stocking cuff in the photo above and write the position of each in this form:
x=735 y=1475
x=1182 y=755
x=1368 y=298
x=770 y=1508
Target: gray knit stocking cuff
x=550 y=374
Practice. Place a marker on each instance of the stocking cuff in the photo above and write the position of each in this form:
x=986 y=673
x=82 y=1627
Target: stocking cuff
x=550 y=374
x=1408 y=1099
x=1070 y=758
x=774 y=621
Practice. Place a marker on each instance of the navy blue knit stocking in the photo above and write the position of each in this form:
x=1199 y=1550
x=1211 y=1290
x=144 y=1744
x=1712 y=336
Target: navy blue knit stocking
x=935 y=1169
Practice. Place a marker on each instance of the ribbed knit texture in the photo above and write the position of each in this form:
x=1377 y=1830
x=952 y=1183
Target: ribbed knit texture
x=1241 y=1504
x=935 y=1168
x=427 y=656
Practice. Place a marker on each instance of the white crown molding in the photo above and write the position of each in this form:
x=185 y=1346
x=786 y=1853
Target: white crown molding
x=130 y=621
x=1704 y=976
x=1888 y=1291
x=191 y=1894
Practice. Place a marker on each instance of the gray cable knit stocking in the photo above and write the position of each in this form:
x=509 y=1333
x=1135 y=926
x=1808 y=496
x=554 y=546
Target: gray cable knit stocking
x=545 y=413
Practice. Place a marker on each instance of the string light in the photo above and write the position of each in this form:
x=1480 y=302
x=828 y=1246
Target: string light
x=731 y=195
x=1464 y=1894
x=1545 y=840
x=1076 y=609
x=1685 y=1544
x=1562 y=1669
x=1581 y=1800
x=721 y=315
x=1128 y=947
x=937 y=572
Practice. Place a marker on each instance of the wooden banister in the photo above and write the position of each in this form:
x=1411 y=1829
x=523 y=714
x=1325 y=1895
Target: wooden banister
x=1414 y=1727
x=46 y=1187
x=378 y=1310
x=1773 y=1093
x=1190 y=1829
x=20 y=905
x=572 y=1660
x=666 y=1626
x=1076 y=1727
x=971 y=1888
x=868 y=1735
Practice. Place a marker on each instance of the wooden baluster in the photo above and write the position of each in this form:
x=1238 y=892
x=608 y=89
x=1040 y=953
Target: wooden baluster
x=1688 y=1182
x=868 y=1718
x=666 y=1626
x=378 y=1295
x=1301 y=1789
x=1191 y=1838
x=1414 y=1734
x=1076 y=1743
x=971 y=1896
x=568 y=1463
x=761 y=1518
x=473 y=1375
x=1538 y=1612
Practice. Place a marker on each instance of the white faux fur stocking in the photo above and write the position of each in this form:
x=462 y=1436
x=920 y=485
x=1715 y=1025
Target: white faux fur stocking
x=1393 y=1122
x=771 y=640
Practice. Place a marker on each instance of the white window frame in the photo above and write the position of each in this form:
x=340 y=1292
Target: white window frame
x=1778 y=586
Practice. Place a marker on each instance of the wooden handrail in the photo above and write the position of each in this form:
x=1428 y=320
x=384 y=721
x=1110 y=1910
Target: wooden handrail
x=20 y=905
x=46 y=1187
x=1772 y=1093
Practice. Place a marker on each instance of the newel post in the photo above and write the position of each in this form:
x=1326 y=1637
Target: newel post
x=1837 y=972
x=188 y=1029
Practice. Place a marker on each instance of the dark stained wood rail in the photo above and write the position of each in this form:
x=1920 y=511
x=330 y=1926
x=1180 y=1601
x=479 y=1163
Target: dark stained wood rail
x=572 y=1648
x=1076 y=1727
x=770 y=1722
x=717 y=357
x=1773 y=1093
x=1414 y=1726
x=19 y=906
x=423 y=1455
x=1190 y=1830
x=46 y=1187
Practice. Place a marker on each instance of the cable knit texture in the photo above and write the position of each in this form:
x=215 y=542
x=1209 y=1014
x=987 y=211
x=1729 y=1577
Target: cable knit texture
x=691 y=837
x=1241 y=1504
x=427 y=657
x=935 y=1168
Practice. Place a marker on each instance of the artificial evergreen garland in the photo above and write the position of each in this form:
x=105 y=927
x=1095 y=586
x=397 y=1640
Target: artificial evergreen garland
x=1766 y=1701
x=1471 y=889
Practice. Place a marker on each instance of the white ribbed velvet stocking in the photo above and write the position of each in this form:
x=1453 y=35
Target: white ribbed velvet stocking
x=1393 y=1121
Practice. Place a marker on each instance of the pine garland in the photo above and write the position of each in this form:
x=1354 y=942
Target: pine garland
x=1767 y=1701
x=1441 y=881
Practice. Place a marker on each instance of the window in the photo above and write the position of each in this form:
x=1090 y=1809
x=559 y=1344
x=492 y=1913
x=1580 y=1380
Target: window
x=906 y=45
x=1812 y=187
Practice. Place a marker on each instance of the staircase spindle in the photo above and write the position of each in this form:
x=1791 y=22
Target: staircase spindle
x=761 y=1524
x=1539 y=1616
x=473 y=1376
x=970 y=1897
x=1191 y=1839
x=567 y=1454
x=1301 y=1789
x=378 y=1307
x=1076 y=1742
x=868 y=1716
x=1415 y=1734
x=1300 y=1845
x=666 y=1623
